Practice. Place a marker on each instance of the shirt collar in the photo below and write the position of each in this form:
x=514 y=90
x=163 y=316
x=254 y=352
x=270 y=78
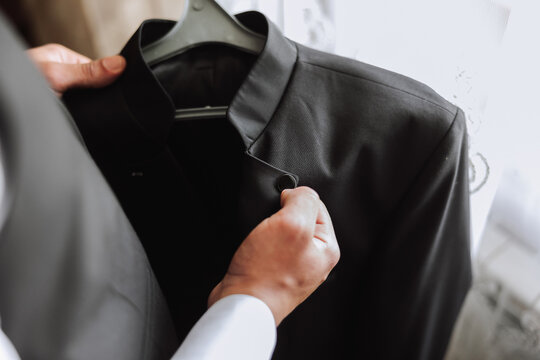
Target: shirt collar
x=253 y=105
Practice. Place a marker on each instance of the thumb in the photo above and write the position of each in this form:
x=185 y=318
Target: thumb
x=94 y=74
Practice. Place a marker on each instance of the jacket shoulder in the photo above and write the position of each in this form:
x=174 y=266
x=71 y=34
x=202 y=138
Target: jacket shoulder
x=395 y=84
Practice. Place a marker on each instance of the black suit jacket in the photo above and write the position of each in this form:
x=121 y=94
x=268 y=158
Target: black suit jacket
x=75 y=282
x=387 y=155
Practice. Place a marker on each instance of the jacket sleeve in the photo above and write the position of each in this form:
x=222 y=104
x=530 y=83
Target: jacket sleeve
x=423 y=265
x=238 y=327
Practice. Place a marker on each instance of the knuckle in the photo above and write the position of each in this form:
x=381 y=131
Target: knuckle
x=53 y=75
x=90 y=71
x=305 y=190
x=324 y=277
x=55 y=51
x=334 y=255
x=54 y=47
x=293 y=226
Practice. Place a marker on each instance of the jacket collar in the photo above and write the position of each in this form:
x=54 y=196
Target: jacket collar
x=253 y=105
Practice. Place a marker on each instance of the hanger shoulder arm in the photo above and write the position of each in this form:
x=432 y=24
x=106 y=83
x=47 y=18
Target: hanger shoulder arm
x=204 y=22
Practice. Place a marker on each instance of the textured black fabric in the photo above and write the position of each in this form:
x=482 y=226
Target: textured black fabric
x=214 y=74
x=387 y=155
x=75 y=282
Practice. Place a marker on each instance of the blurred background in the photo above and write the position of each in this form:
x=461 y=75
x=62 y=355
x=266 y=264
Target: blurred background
x=480 y=54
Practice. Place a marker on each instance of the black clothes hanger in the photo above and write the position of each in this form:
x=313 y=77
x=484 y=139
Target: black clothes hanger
x=204 y=22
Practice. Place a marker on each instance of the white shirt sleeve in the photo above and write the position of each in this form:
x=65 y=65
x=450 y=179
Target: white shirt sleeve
x=239 y=327
x=7 y=351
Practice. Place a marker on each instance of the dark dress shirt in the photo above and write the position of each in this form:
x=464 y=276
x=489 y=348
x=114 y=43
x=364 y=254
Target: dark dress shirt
x=387 y=155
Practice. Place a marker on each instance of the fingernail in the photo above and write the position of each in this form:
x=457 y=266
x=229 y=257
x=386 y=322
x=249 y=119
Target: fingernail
x=114 y=63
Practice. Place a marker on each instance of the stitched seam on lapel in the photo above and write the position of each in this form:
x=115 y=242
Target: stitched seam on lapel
x=379 y=83
x=286 y=90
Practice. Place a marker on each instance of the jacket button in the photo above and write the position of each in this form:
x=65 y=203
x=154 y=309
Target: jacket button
x=285 y=181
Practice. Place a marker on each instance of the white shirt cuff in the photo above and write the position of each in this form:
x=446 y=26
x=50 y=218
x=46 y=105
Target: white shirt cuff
x=239 y=327
x=7 y=351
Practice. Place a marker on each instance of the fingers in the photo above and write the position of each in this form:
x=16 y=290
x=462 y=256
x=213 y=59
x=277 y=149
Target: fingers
x=308 y=217
x=64 y=68
x=94 y=74
x=323 y=236
x=324 y=225
x=69 y=56
x=56 y=53
x=286 y=257
x=98 y=73
x=302 y=202
x=298 y=214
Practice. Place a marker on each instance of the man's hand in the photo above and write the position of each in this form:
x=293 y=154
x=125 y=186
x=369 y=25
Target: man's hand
x=65 y=69
x=286 y=257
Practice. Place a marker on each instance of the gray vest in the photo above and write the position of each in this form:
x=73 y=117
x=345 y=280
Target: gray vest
x=75 y=282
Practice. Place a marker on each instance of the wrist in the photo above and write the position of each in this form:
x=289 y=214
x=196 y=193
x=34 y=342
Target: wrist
x=279 y=301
